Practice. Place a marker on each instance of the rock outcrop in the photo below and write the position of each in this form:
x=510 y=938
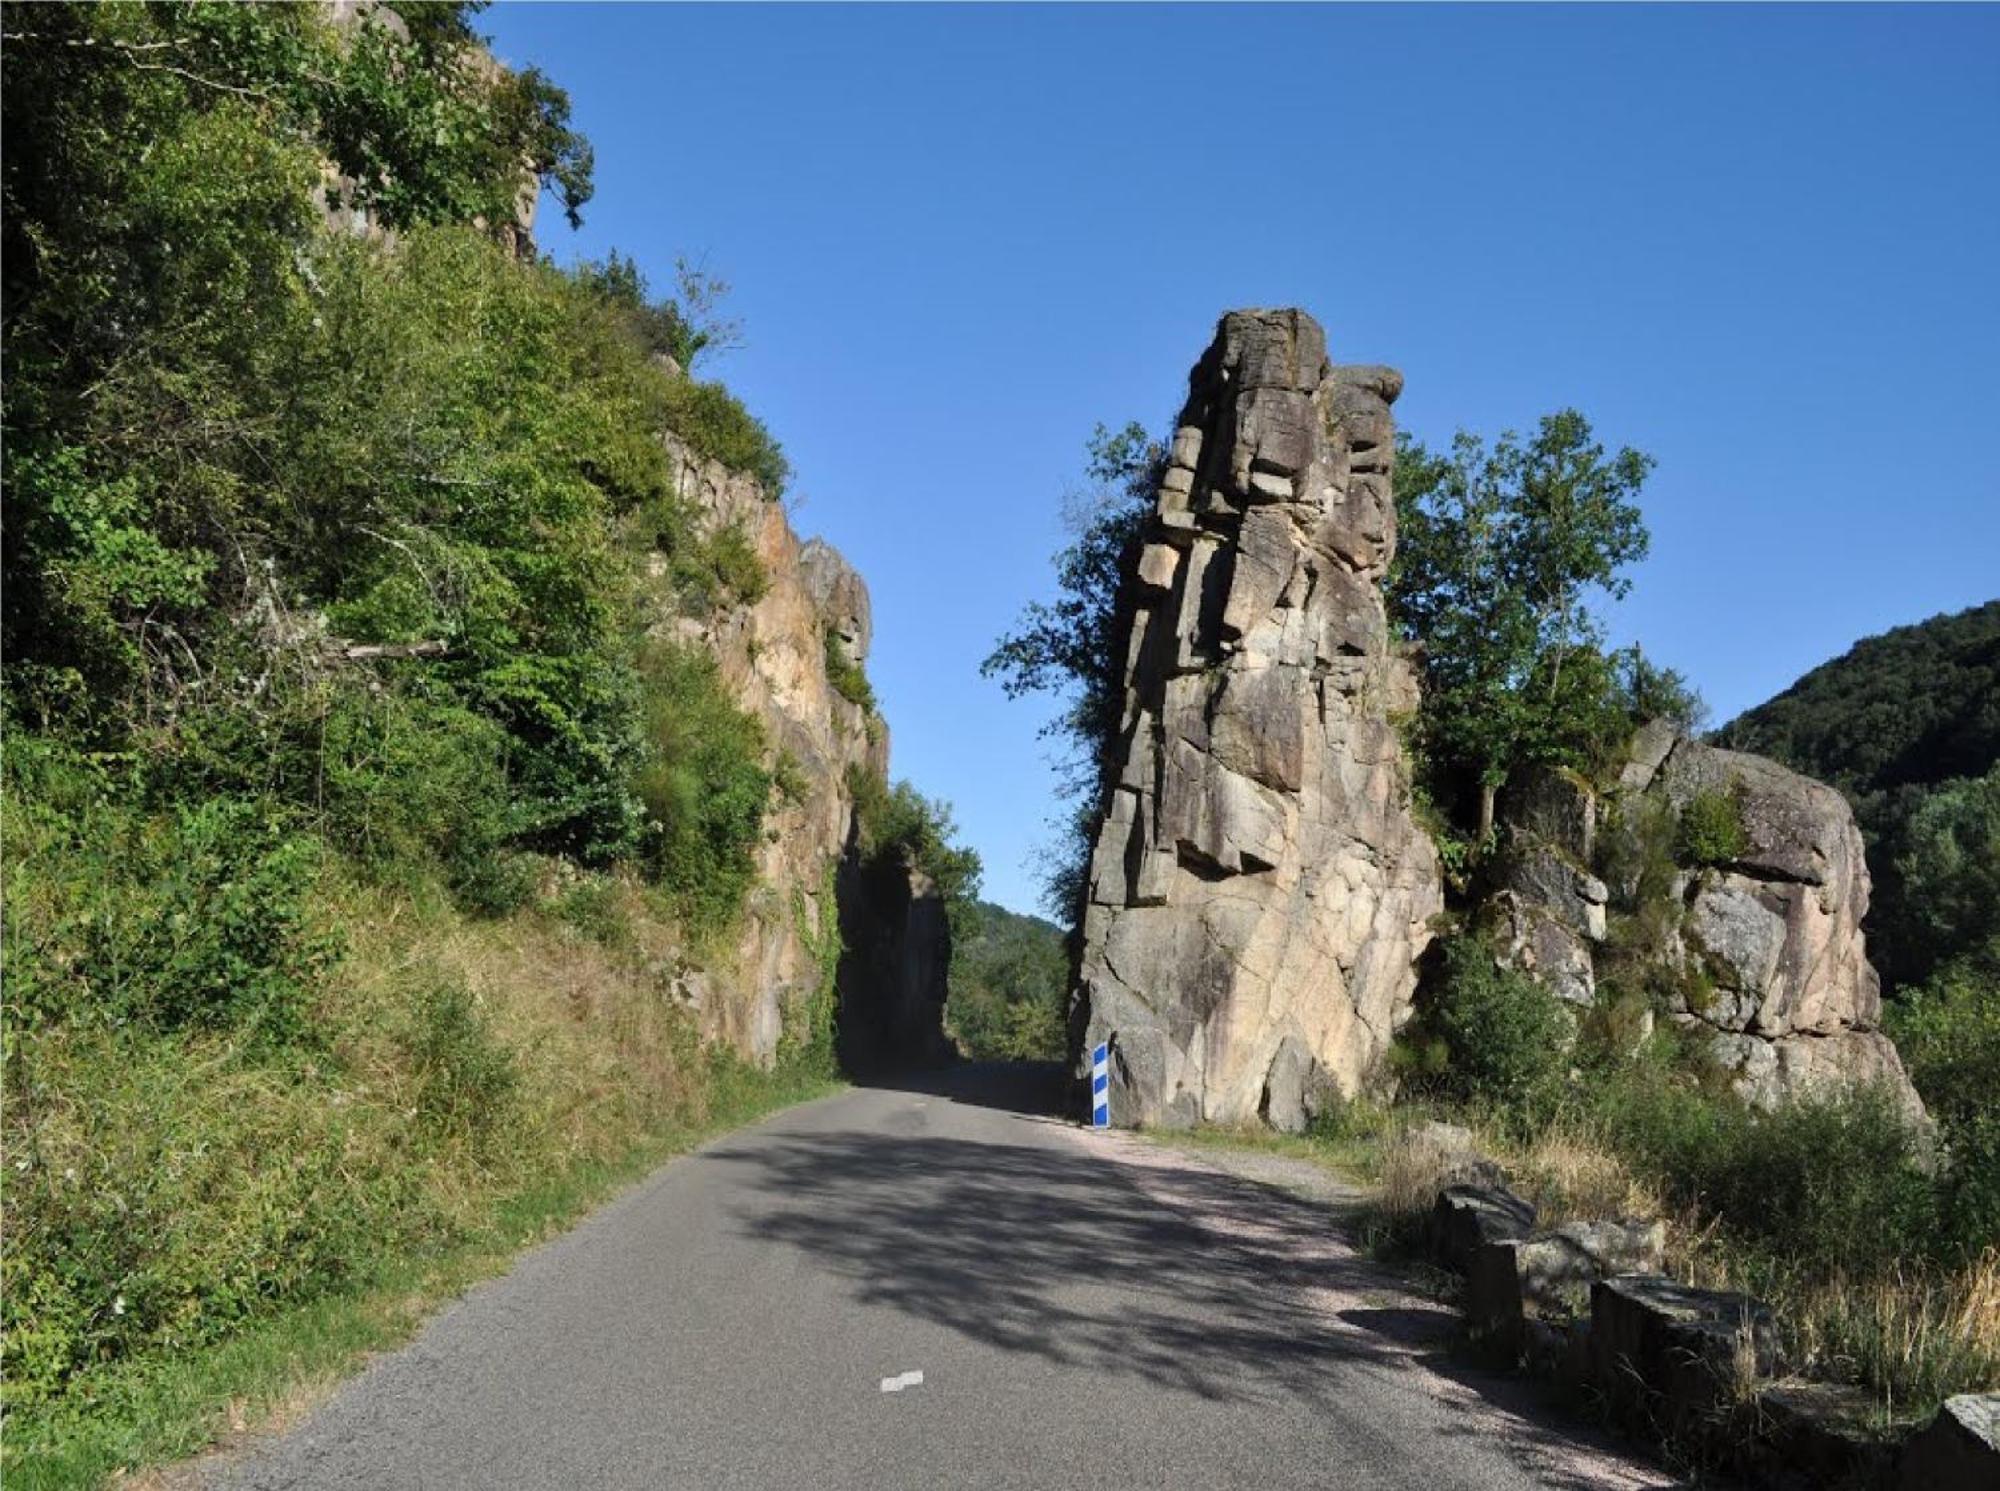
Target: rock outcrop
x=772 y=654
x=1757 y=940
x=1260 y=892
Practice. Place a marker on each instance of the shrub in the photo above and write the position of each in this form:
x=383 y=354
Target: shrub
x=847 y=678
x=466 y=1080
x=191 y=917
x=1838 y=1177
x=716 y=425
x=1504 y=1037
x=1710 y=830
x=703 y=787
x=1948 y=1032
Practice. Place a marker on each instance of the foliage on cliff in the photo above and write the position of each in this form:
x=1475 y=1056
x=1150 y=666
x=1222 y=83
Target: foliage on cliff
x=1895 y=722
x=354 y=825
x=897 y=823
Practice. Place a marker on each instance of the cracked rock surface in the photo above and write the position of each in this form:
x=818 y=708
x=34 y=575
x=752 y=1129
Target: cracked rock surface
x=1259 y=892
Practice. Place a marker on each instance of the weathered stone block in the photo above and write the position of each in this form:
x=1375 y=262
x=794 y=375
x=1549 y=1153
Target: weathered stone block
x=1468 y=1217
x=1822 y=1434
x=1689 y=1347
x=1550 y=1273
x=1958 y=1451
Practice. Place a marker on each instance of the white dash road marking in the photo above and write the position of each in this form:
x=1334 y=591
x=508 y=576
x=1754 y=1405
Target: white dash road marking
x=907 y=1379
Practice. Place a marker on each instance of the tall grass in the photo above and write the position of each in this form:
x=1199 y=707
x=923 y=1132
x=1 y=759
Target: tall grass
x=1827 y=1209
x=171 y=1189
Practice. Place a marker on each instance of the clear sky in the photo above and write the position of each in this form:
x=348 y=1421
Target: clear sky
x=1763 y=245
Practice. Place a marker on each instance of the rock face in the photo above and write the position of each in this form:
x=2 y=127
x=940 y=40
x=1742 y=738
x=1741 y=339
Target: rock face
x=773 y=656
x=1259 y=892
x=1762 y=947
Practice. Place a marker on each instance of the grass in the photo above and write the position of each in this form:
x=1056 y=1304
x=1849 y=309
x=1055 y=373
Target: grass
x=1910 y=1333
x=154 y=1410
x=205 y=1229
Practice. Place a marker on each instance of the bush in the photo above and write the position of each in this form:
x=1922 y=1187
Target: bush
x=194 y=916
x=703 y=787
x=466 y=1080
x=1710 y=830
x=172 y=1188
x=847 y=678
x=1948 y=1032
x=1498 y=1035
x=1842 y=1177
x=715 y=424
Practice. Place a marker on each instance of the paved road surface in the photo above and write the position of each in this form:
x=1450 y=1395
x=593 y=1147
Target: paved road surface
x=1089 y=1311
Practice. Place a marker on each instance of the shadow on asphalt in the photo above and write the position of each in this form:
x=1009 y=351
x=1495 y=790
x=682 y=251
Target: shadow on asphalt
x=1036 y=1250
x=1033 y=1089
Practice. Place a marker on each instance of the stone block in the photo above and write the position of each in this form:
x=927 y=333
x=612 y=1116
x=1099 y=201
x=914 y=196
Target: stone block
x=1467 y=1217
x=1959 y=1450
x=1654 y=1338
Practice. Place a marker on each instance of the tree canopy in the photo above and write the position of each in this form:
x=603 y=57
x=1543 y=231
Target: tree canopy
x=1500 y=553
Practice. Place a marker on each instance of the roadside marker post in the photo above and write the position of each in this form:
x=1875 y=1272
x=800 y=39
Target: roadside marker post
x=1100 y=1086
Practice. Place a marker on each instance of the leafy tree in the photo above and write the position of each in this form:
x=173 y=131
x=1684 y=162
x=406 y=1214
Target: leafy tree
x=1950 y=865
x=1500 y=552
x=897 y=821
x=1073 y=647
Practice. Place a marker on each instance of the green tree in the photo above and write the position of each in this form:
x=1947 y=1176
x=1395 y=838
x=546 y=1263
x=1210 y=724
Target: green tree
x=1950 y=865
x=1073 y=646
x=1500 y=552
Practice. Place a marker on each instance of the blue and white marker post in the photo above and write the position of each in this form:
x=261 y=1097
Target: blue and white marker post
x=1100 y=1086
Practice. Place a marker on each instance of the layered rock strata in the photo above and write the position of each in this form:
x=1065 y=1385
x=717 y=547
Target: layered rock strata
x=1761 y=946
x=1259 y=892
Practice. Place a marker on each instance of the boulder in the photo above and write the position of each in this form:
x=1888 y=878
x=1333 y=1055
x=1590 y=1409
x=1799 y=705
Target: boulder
x=1959 y=1450
x=1467 y=1218
x=1765 y=949
x=1259 y=890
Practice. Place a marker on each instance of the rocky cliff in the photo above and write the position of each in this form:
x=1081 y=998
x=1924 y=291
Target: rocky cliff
x=1259 y=892
x=1748 y=930
x=773 y=654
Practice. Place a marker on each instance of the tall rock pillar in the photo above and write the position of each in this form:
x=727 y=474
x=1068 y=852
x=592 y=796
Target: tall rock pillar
x=1259 y=892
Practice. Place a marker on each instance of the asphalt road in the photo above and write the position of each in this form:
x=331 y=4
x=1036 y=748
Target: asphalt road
x=1086 y=1311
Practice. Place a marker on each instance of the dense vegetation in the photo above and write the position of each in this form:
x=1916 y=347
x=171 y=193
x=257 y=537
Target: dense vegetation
x=351 y=817
x=1009 y=983
x=1907 y=724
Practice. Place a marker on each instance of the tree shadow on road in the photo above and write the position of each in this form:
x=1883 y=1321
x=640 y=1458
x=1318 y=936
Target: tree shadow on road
x=1190 y=1279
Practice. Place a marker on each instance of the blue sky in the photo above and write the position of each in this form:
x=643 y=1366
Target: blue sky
x=1763 y=245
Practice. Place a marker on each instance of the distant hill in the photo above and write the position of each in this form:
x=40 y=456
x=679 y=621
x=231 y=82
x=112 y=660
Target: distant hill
x=1888 y=722
x=1009 y=980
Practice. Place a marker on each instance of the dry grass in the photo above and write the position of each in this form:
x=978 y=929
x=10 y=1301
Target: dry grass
x=1911 y=1339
